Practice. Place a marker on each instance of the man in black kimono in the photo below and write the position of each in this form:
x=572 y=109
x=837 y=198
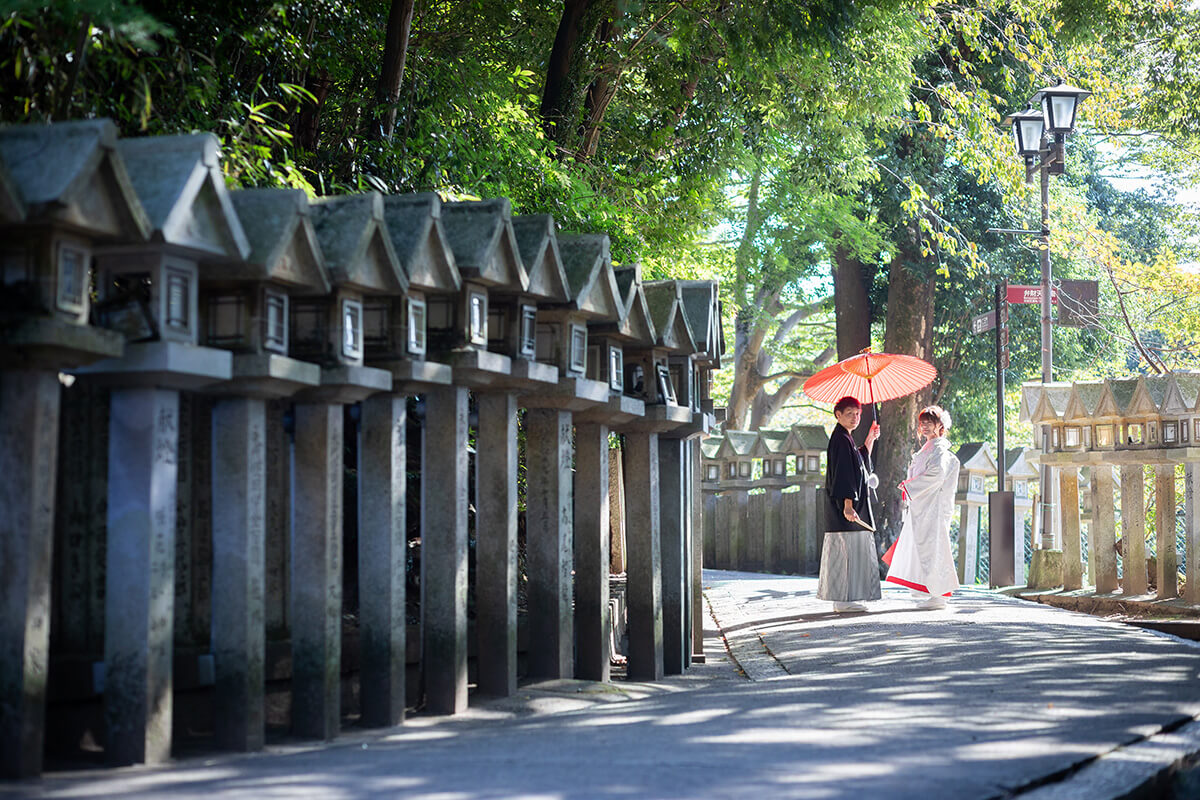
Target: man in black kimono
x=849 y=564
x=848 y=467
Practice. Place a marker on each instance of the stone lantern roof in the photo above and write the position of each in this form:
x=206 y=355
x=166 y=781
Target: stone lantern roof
x=1188 y=386
x=283 y=244
x=538 y=247
x=590 y=280
x=773 y=442
x=485 y=247
x=1090 y=401
x=710 y=446
x=354 y=241
x=702 y=309
x=635 y=325
x=414 y=223
x=71 y=174
x=674 y=333
x=180 y=184
x=976 y=457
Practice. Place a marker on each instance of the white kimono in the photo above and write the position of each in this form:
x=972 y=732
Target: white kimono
x=922 y=559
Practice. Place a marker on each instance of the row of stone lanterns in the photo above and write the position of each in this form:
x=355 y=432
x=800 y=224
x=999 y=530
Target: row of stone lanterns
x=1130 y=423
x=128 y=264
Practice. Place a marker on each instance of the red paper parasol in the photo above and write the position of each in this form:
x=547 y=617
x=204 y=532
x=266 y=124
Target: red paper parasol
x=870 y=378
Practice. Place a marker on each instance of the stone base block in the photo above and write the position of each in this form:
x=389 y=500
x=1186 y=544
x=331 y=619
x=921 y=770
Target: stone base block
x=1045 y=569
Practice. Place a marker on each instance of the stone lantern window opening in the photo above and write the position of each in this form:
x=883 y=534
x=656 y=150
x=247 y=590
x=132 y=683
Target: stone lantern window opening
x=745 y=469
x=477 y=316
x=547 y=333
x=376 y=328
x=1104 y=436
x=1170 y=432
x=1153 y=432
x=732 y=469
x=616 y=368
x=712 y=472
x=125 y=307
x=578 y=360
x=74 y=272
x=352 y=329
x=528 y=331
x=308 y=327
x=814 y=463
x=780 y=466
x=14 y=266
x=1135 y=433
x=1021 y=489
x=178 y=302
x=1071 y=436
x=440 y=312
x=1055 y=439
x=635 y=380
x=1183 y=430
x=275 y=321
x=977 y=484
x=228 y=321
x=417 y=322
x=666 y=387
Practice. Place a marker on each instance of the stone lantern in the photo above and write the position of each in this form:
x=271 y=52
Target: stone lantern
x=1138 y=414
x=702 y=308
x=773 y=447
x=1187 y=384
x=671 y=362
x=976 y=465
x=246 y=307
x=64 y=193
x=1174 y=413
x=487 y=331
x=1089 y=418
x=562 y=330
x=1048 y=413
x=608 y=341
x=1019 y=473
x=710 y=447
x=736 y=455
x=810 y=443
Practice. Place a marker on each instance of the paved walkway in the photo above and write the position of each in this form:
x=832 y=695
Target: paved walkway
x=992 y=698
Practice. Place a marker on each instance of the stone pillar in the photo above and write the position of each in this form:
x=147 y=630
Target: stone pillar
x=1068 y=482
x=811 y=526
x=592 y=614
x=140 y=574
x=382 y=557
x=1104 y=529
x=738 y=513
x=672 y=538
x=549 y=516
x=968 y=543
x=316 y=571
x=772 y=535
x=1191 y=510
x=496 y=544
x=697 y=528
x=29 y=415
x=444 y=550
x=1133 y=529
x=643 y=540
x=1164 y=530
x=616 y=512
x=239 y=477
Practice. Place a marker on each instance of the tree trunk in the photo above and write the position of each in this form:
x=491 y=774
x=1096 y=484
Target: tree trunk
x=852 y=310
x=395 y=52
x=562 y=92
x=909 y=331
x=599 y=94
x=308 y=124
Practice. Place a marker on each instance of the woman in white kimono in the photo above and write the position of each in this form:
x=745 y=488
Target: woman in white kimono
x=921 y=558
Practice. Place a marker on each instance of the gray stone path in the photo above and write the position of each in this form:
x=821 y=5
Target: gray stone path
x=991 y=698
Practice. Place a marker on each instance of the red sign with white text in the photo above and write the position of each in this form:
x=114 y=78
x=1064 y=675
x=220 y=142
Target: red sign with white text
x=1029 y=294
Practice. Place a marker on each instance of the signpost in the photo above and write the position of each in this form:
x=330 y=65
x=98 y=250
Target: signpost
x=1001 y=534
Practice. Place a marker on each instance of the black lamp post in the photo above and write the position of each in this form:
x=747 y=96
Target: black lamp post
x=1040 y=140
